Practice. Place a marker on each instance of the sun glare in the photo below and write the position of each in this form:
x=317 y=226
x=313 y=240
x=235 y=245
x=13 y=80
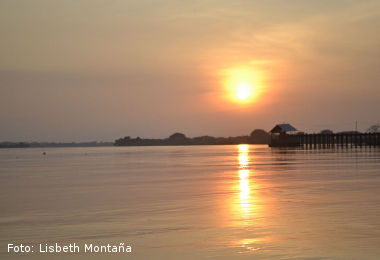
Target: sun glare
x=243 y=91
x=241 y=84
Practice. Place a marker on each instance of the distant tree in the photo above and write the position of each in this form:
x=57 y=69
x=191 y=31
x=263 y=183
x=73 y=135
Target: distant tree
x=122 y=141
x=204 y=140
x=374 y=128
x=178 y=139
x=177 y=136
x=259 y=136
x=327 y=132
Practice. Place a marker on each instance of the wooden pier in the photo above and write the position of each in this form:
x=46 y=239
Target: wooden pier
x=339 y=140
x=326 y=140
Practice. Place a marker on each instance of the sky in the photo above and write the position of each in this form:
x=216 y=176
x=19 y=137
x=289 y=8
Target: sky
x=98 y=70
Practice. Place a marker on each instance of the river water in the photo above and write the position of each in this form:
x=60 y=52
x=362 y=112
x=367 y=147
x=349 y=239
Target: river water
x=193 y=202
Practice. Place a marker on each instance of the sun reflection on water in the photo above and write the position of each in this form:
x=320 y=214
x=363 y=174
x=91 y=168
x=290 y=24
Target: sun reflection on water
x=245 y=204
x=246 y=208
x=244 y=187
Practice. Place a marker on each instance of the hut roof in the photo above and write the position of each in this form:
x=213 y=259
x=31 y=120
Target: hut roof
x=283 y=128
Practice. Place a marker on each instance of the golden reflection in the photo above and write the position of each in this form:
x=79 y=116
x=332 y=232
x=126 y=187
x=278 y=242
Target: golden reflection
x=243 y=148
x=244 y=187
x=250 y=244
x=246 y=208
x=243 y=160
x=243 y=155
x=246 y=203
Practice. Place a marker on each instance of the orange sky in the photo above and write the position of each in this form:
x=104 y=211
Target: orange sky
x=99 y=70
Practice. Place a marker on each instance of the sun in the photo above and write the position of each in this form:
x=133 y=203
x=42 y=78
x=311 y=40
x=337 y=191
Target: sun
x=241 y=85
x=244 y=91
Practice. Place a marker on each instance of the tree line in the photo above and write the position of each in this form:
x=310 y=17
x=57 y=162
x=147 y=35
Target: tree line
x=257 y=136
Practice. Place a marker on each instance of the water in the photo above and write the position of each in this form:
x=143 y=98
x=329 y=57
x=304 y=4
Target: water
x=193 y=202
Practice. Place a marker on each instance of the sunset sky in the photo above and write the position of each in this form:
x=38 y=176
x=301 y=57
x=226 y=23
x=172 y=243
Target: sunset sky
x=98 y=70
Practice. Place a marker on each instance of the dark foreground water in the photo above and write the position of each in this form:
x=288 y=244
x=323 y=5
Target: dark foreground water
x=193 y=202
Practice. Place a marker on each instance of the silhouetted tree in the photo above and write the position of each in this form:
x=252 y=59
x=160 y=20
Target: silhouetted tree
x=177 y=136
x=374 y=128
x=327 y=132
x=204 y=140
x=259 y=136
x=178 y=139
x=122 y=141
